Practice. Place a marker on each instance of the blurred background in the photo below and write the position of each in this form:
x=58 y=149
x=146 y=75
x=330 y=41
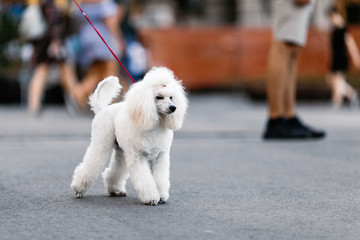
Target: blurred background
x=212 y=45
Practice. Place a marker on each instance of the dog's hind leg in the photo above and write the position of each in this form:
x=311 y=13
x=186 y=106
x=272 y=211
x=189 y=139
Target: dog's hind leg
x=94 y=160
x=116 y=174
x=143 y=180
x=161 y=173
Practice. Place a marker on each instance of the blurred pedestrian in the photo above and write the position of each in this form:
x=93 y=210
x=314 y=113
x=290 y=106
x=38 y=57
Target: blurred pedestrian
x=342 y=46
x=95 y=58
x=291 y=20
x=48 y=49
x=136 y=57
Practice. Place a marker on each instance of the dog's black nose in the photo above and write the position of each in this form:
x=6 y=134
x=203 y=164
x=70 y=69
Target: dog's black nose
x=172 y=108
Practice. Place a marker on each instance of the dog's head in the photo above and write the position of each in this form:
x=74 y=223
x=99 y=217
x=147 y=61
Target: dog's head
x=158 y=99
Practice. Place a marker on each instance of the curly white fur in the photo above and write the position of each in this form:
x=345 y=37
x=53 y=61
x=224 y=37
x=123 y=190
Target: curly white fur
x=140 y=130
x=107 y=90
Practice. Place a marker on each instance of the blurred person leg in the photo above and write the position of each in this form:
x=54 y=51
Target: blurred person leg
x=88 y=84
x=290 y=32
x=281 y=79
x=98 y=71
x=36 y=88
x=112 y=69
x=290 y=82
x=343 y=48
x=351 y=94
x=95 y=73
x=281 y=91
x=97 y=61
x=337 y=89
x=69 y=82
x=47 y=50
x=341 y=90
x=68 y=77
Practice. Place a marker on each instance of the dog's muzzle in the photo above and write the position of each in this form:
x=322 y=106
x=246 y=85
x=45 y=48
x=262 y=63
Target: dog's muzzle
x=172 y=109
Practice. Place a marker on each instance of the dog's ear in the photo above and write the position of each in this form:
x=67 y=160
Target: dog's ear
x=141 y=106
x=175 y=120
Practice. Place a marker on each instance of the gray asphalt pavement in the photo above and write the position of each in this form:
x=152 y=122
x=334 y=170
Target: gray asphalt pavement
x=226 y=182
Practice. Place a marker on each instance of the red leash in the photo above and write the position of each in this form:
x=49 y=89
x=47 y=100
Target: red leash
x=104 y=42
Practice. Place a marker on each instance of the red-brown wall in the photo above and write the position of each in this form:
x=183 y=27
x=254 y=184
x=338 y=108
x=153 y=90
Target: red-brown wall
x=230 y=56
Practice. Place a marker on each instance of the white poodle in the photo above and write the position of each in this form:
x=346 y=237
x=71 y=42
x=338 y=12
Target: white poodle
x=140 y=130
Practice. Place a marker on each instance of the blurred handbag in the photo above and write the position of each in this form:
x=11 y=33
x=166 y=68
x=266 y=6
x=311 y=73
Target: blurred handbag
x=32 y=24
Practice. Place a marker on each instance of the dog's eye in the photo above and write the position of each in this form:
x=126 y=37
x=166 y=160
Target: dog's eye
x=170 y=98
x=159 y=97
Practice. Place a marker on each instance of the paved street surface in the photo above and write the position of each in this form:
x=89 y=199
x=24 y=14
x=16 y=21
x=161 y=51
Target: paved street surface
x=226 y=182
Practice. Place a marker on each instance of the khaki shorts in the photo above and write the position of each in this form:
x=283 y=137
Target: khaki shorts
x=291 y=21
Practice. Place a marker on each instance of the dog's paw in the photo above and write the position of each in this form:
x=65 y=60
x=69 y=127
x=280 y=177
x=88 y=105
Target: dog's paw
x=79 y=194
x=152 y=203
x=162 y=201
x=79 y=191
x=117 y=194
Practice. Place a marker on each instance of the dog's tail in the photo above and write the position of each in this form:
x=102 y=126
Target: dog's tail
x=106 y=91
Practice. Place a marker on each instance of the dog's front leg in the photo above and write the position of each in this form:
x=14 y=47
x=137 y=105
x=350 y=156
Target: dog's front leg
x=161 y=172
x=143 y=180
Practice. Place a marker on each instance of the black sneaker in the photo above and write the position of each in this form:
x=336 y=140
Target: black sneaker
x=296 y=123
x=280 y=129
